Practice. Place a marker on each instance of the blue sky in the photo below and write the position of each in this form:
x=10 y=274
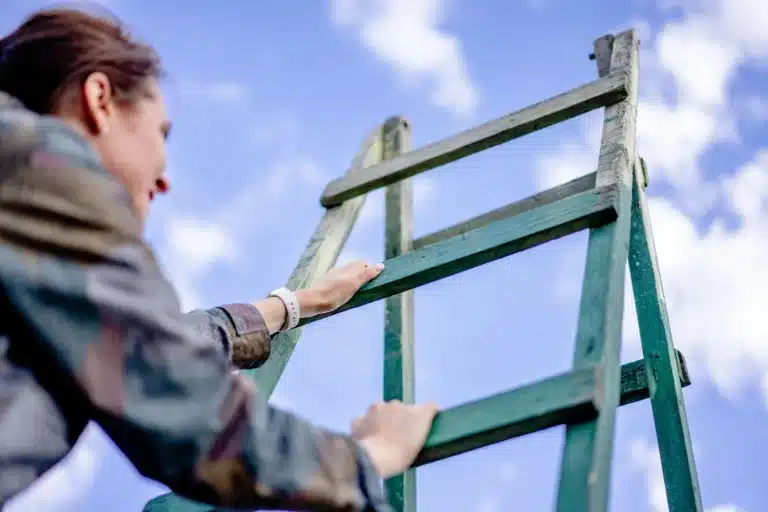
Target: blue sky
x=271 y=102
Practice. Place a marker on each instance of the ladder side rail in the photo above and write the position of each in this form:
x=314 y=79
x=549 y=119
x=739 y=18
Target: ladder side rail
x=667 y=401
x=318 y=257
x=399 y=365
x=585 y=470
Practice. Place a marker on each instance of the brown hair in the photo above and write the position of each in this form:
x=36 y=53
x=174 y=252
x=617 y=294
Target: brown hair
x=55 y=50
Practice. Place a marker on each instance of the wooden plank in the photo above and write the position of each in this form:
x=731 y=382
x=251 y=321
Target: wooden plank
x=399 y=371
x=602 y=92
x=507 y=415
x=544 y=404
x=634 y=379
x=576 y=186
x=585 y=472
x=673 y=437
x=553 y=401
x=589 y=209
x=319 y=256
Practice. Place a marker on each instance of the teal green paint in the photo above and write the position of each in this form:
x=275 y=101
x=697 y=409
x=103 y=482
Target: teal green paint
x=585 y=472
x=502 y=238
x=599 y=93
x=575 y=186
x=547 y=403
x=175 y=503
x=517 y=412
x=320 y=255
x=448 y=437
x=588 y=450
x=667 y=401
x=399 y=370
x=586 y=399
x=634 y=380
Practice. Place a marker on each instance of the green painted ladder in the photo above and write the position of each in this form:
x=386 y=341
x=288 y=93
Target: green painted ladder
x=610 y=203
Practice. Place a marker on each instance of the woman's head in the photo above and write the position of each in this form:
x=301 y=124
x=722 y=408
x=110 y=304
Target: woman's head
x=86 y=70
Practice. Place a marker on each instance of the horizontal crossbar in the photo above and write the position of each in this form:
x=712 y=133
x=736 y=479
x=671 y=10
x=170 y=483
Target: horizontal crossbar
x=512 y=414
x=599 y=93
x=567 y=398
x=573 y=187
x=591 y=209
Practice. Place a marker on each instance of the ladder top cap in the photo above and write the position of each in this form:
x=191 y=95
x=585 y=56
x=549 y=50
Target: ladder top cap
x=393 y=121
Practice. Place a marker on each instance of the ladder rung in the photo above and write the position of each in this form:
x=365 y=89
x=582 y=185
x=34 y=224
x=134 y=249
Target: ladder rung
x=591 y=209
x=577 y=186
x=568 y=398
x=599 y=93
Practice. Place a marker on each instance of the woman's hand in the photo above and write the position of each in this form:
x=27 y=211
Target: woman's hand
x=336 y=287
x=393 y=434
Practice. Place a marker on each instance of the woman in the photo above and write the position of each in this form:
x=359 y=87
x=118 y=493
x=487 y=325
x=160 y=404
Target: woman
x=93 y=329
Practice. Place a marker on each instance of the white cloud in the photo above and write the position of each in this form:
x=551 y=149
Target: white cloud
x=202 y=242
x=407 y=35
x=714 y=281
x=192 y=246
x=727 y=35
x=219 y=91
x=645 y=459
x=712 y=273
x=66 y=483
x=195 y=243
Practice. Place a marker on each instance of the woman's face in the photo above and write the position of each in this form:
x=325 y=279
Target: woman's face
x=130 y=139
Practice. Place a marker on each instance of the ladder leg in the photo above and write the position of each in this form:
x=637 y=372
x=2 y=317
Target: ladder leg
x=399 y=371
x=320 y=255
x=588 y=452
x=661 y=364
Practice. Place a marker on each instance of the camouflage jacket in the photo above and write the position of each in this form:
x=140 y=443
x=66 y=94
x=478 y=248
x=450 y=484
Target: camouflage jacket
x=90 y=330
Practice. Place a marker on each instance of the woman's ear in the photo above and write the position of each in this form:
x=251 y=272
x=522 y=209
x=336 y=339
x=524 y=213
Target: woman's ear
x=97 y=97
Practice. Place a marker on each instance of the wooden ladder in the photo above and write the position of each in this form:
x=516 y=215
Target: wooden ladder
x=610 y=203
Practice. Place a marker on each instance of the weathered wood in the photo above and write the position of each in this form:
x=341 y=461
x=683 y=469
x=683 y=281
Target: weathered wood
x=502 y=238
x=585 y=472
x=576 y=186
x=319 y=256
x=634 y=379
x=673 y=437
x=553 y=401
x=602 y=92
x=602 y=54
x=562 y=399
x=505 y=416
x=399 y=371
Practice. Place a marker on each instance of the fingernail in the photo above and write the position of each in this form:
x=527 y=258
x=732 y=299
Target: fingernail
x=379 y=266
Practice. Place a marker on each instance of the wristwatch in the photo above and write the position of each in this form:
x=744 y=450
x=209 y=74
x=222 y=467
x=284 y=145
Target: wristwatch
x=292 y=309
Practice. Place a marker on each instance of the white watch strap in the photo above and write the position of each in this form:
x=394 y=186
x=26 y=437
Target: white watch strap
x=291 y=307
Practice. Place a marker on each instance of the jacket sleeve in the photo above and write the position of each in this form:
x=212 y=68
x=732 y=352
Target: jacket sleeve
x=238 y=329
x=102 y=330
